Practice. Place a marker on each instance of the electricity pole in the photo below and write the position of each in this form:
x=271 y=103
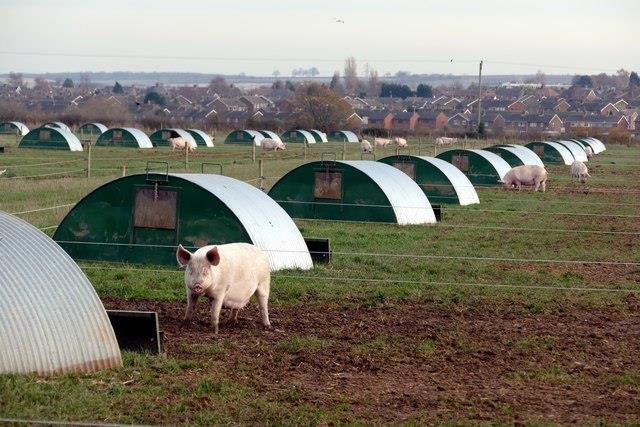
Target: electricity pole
x=479 y=98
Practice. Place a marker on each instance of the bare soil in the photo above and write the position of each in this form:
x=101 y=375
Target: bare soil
x=426 y=363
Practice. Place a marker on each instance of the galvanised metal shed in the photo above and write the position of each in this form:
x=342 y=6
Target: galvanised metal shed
x=50 y=138
x=577 y=151
x=551 y=152
x=354 y=190
x=270 y=134
x=160 y=138
x=318 y=135
x=124 y=137
x=201 y=137
x=516 y=155
x=298 y=136
x=244 y=136
x=51 y=319
x=142 y=218
x=343 y=136
x=57 y=125
x=595 y=144
x=95 y=129
x=480 y=166
x=13 y=128
x=440 y=181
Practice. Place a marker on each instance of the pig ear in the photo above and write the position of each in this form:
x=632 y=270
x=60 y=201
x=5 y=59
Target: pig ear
x=213 y=256
x=183 y=256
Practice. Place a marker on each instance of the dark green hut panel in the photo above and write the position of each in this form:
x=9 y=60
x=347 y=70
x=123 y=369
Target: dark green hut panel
x=352 y=191
x=51 y=138
x=141 y=219
x=13 y=128
x=160 y=138
x=89 y=130
x=440 y=181
x=480 y=166
x=299 y=136
x=244 y=136
x=551 y=152
x=124 y=137
x=343 y=136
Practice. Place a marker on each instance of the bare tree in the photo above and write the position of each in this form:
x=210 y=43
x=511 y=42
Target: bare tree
x=319 y=107
x=275 y=73
x=541 y=78
x=335 y=84
x=350 y=74
x=85 y=80
x=220 y=86
x=314 y=71
x=15 y=79
x=373 y=82
x=41 y=84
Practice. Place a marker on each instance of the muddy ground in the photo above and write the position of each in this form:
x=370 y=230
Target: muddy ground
x=427 y=363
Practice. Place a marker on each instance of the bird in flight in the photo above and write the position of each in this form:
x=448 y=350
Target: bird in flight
x=339 y=21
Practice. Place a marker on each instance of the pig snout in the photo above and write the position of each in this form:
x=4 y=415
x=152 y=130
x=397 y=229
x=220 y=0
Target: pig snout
x=199 y=288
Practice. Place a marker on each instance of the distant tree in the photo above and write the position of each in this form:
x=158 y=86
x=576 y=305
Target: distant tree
x=403 y=74
x=350 y=74
x=289 y=86
x=373 y=81
x=319 y=107
x=275 y=73
x=621 y=79
x=153 y=97
x=67 y=82
x=117 y=88
x=41 y=84
x=220 y=86
x=15 y=79
x=388 y=90
x=584 y=81
x=541 y=78
x=335 y=84
x=313 y=71
x=277 y=85
x=424 y=91
x=634 y=80
x=85 y=80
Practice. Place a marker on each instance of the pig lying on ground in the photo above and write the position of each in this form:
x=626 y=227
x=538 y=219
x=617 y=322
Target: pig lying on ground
x=228 y=275
x=526 y=175
x=269 y=144
x=365 y=146
x=579 y=170
x=400 y=142
x=381 y=142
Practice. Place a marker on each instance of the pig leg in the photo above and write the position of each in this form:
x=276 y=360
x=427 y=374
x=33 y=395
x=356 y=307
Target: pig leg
x=537 y=185
x=192 y=299
x=234 y=315
x=544 y=185
x=262 y=295
x=216 y=307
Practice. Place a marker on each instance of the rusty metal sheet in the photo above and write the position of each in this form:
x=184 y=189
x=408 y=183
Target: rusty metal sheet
x=406 y=167
x=461 y=161
x=328 y=185
x=155 y=208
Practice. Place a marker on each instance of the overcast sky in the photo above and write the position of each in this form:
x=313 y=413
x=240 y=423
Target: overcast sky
x=260 y=36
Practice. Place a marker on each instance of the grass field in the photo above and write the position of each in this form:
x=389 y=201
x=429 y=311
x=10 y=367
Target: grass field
x=524 y=308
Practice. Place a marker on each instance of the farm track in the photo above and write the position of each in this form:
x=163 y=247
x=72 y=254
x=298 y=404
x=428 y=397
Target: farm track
x=421 y=362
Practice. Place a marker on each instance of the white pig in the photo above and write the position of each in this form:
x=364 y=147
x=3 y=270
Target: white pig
x=589 y=152
x=526 y=175
x=269 y=144
x=228 y=275
x=365 y=146
x=400 y=142
x=180 y=143
x=382 y=142
x=579 y=170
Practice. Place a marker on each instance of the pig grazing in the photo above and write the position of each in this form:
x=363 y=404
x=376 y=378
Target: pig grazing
x=400 y=142
x=589 y=152
x=365 y=146
x=180 y=143
x=227 y=275
x=269 y=144
x=579 y=170
x=526 y=175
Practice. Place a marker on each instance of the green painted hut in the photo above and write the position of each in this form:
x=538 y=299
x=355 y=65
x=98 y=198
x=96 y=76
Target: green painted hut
x=481 y=167
x=124 y=137
x=46 y=137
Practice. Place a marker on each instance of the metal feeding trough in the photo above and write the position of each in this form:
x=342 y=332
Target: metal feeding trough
x=319 y=249
x=137 y=331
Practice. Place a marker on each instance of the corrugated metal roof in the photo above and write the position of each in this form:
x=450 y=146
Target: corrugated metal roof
x=319 y=134
x=72 y=140
x=102 y=128
x=268 y=225
x=308 y=136
x=207 y=139
x=499 y=164
x=351 y=137
x=528 y=157
x=141 y=138
x=184 y=134
x=58 y=125
x=272 y=135
x=407 y=199
x=51 y=320
x=257 y=135
x=566 y=155
x=596 y=145
x=463 y=187
x=21 y=127
x=577 y=151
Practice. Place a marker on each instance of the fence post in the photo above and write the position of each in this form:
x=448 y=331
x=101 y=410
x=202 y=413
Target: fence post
x=253 y=151
x=186 y=159
x=344 y=149
x=17 y=137
x=435 y=149
x=89 y=144
x=123 y=170
x=260 y=175
x=304 y=149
